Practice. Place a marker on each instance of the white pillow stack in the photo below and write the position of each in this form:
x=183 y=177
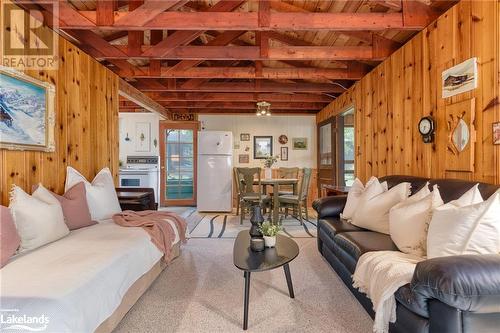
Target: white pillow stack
x=39 y=217
x=374 y=204
x=354 y=194
x=409 y=220
x=465 y=226
x=101 y=194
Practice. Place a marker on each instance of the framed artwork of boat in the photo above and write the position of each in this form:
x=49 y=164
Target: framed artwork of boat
x=460 y=78
x=27 y=115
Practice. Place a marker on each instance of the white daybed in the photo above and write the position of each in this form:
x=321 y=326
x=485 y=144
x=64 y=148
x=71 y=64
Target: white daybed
x=85 y=282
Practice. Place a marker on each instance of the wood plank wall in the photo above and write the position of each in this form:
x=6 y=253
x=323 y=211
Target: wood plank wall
x=391 y=99
x=86 y=126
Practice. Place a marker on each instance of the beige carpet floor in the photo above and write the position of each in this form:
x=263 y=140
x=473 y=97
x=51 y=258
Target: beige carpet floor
x=202 y=291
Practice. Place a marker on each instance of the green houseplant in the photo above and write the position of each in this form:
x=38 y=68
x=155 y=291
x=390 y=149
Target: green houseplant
x=269 y=232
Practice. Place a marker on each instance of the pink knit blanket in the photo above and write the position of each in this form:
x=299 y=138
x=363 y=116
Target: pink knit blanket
x=153 y=222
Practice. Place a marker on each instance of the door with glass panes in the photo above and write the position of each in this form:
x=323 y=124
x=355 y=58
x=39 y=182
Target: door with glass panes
x=178 y=155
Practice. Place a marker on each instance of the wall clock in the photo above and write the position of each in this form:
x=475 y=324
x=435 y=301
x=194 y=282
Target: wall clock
x=283 y=139
x=426 y=128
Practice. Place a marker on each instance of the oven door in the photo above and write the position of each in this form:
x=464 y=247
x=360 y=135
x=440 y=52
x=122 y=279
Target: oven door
x=134 y=179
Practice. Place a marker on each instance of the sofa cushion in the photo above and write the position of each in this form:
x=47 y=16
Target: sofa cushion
x=356 y=243
x=336 y=225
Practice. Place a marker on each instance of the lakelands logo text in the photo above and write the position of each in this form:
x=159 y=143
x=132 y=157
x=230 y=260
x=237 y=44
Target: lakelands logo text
x=12 y=320
x=28 y=37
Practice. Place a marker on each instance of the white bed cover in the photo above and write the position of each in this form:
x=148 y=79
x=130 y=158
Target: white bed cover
x=76 y=282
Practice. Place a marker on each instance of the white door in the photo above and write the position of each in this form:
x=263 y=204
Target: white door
x=215 y=183
x=215 y=143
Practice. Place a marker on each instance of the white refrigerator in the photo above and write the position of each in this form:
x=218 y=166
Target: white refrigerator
x=215 y=171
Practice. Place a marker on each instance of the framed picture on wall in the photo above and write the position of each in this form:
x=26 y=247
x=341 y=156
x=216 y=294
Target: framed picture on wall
x=245 y=137
x=244 y=158
x=496 y=133
x=262 y=147
x=27 y=113
x=299 y=143
x=143 y=137
x=460 y=78
x=284 y=154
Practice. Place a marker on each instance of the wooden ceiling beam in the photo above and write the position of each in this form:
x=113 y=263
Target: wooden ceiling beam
x=232 y=105
x=138 y=98
x=202 y=53
x=417 y=14
x=184 y=37
x=155 y=85
x=271 y=73
x=224 y=20
x=244 y=97
x=143 y=11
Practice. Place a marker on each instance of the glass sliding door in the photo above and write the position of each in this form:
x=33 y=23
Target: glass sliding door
x=178 y=153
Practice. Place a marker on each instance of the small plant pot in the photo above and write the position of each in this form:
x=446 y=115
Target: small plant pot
x=268 y=173
x=270 y=241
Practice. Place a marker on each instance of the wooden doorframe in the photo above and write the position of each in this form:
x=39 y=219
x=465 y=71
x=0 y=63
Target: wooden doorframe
x=192 y=125
x=332 y=171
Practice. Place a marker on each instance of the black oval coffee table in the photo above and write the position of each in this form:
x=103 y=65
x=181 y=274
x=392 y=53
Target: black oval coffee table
x=249 y=261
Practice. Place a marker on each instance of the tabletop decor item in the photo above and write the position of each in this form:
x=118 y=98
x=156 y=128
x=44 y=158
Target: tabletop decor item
x=256 y=219
x=269 y=231
x=257 y=244
x=268 y=163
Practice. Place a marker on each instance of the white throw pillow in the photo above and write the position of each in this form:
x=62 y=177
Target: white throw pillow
x=354 y=194
x=101 y=194
x=39 y=217
x=374 y=205
x=471 y=197
x=472 y=229
x=409 y=221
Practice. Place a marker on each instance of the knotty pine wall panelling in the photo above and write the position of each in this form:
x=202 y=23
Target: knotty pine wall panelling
x=86 y=126
x=390 y=100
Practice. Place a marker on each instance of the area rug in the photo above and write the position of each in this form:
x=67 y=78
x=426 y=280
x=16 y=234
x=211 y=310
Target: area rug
x=202 y=291
x=228 y=226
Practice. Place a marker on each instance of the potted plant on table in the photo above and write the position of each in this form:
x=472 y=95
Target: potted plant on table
x=268 y=163
x=269 y=232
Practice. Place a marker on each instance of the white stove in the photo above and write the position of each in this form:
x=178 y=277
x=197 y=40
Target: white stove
x=141 y=171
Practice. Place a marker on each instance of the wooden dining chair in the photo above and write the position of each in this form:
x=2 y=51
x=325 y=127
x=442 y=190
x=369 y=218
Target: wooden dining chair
x=248 y=196
x=298 y=201
x=287 y=173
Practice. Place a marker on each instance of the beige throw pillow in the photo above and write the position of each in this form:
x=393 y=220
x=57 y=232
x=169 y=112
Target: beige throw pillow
x=374 y=205
x=409 y=221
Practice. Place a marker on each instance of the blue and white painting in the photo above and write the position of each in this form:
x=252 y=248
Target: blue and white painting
x=23 y=112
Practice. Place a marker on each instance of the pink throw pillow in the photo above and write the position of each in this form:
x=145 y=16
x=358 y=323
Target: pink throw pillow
x=75 y=208
x=9 y=238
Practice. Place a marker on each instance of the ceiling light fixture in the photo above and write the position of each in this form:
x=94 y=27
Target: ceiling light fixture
x=263 y=109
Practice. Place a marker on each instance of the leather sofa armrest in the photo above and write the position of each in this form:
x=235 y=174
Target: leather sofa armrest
x=329 y=206
x=467 y=282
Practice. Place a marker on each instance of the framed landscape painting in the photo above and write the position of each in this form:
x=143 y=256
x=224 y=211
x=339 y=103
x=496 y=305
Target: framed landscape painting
x=27 y=115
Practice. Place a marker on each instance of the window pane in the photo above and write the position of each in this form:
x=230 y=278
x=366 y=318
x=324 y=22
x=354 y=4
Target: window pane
x=325 y=144
x=186 y=150
x=186 y=136
x=349 y=143
x=172 y=135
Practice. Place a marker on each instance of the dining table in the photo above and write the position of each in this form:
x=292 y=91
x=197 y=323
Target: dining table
x=275 y=183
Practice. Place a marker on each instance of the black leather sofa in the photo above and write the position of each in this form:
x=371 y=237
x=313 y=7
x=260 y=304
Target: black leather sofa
x=447 y=295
